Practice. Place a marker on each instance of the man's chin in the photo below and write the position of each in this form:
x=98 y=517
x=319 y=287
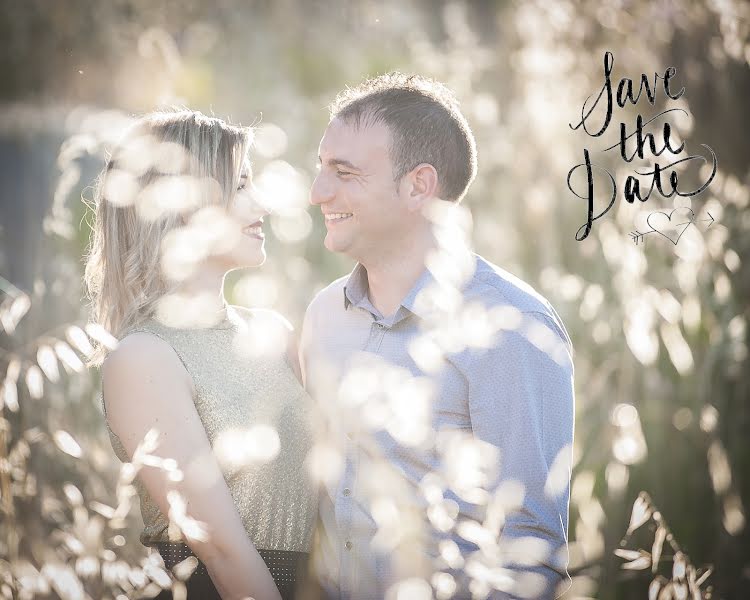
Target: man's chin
x=334 y=245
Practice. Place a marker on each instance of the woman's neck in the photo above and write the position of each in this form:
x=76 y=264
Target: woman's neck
x=207 y=283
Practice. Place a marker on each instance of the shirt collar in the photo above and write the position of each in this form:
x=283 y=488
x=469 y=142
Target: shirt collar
x=356 y=287
x=425 y=280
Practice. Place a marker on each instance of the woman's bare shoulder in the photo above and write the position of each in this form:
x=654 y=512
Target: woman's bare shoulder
x=139 y=357
x=140 y=347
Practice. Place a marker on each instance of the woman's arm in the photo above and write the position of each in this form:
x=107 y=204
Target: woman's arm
x=146 y=386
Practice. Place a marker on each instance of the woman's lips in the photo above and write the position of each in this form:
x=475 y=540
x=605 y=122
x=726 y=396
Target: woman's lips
x=254 y=230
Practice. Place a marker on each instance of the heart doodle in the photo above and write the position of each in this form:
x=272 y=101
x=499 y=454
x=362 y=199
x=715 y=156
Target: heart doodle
x=670 y=228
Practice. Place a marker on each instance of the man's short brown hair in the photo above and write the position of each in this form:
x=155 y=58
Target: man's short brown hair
x=425 y=123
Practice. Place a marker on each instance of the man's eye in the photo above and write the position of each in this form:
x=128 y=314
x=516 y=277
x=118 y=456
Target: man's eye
x=241 y=187
x=340 y=172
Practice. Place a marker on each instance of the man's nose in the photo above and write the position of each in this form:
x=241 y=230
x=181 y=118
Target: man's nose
x=321 y=190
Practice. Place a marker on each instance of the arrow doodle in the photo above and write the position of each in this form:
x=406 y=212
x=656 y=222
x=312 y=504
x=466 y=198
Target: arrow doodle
x=639 y=236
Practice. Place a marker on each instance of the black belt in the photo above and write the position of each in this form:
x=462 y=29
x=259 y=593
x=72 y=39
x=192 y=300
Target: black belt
x=287 y=567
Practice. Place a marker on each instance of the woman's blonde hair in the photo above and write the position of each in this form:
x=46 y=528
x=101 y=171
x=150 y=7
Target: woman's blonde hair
x=169 y=163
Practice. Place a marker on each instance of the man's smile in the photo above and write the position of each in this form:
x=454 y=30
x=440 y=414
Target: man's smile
x=334 y=218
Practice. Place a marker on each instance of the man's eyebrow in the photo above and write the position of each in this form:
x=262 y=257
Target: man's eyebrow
x=336 y=162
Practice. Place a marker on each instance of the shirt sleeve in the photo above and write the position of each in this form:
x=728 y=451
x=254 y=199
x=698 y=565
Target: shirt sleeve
x=521 y=400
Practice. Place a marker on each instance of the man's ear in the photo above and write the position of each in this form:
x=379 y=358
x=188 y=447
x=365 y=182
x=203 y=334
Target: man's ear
x=423 y=186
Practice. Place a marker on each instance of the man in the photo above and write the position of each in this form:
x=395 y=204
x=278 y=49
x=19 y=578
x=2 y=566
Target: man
x=446 y=391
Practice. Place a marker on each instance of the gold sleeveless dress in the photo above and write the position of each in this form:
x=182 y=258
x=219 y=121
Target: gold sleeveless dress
x=276 y=499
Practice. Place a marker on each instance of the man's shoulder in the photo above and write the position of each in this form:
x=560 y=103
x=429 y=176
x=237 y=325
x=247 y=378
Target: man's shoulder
x=495 y=286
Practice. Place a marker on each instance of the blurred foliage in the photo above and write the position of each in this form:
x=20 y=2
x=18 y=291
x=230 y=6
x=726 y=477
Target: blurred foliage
x=662 y=368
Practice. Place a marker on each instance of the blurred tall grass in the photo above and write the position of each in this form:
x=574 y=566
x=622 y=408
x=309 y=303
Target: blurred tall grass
x=660 y=334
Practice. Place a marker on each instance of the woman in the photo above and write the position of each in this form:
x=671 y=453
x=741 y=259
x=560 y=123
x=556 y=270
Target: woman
x=174 y=212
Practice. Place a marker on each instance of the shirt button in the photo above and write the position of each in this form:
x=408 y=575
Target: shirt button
x=347 y=491
x=348 y=545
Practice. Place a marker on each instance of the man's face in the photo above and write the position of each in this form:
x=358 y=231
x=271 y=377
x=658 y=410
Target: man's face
x=355 y=190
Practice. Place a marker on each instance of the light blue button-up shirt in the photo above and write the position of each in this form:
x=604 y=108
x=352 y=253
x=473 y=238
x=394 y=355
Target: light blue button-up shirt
x=505 y=380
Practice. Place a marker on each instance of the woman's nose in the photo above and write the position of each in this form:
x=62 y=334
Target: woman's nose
x=261 y=201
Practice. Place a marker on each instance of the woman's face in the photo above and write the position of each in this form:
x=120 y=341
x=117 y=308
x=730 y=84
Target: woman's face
x=246 y=216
